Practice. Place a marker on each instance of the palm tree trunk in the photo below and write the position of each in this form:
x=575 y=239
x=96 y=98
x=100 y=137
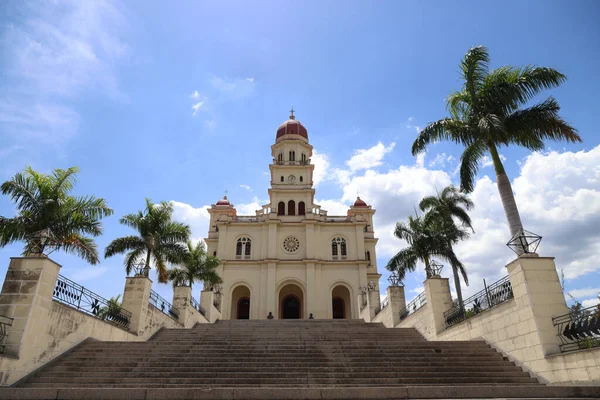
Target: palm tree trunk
x=458 y=289
x=506 y=194
x=427 y=267
x=147 y=266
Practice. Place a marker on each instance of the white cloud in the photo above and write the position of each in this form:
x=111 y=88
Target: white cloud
x=197 y=218
x=233 y=89
x=440 y=160
x=54 y=53
x=590 y=302
x=196 y=107
x=586 y=292
x=211 y=125
x=333 y=207
x=195 y=95
x=486 y=161
x=321 y=163
x=369 y=158
x=246 y=187
x=421 y=159
x=558 y=195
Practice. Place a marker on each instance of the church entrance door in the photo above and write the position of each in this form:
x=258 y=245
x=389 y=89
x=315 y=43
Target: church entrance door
x=339 y=308
x=290 y=307
x=243 y=308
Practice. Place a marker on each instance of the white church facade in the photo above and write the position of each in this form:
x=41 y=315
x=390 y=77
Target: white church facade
x=291 y=259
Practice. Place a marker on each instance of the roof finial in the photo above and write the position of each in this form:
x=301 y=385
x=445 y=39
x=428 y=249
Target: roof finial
x=292 y=113
x=225 y=196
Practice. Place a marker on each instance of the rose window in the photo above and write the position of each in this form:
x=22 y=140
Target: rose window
x=291 y=244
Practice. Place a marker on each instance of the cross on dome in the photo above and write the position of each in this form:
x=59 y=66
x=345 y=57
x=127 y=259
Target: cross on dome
x=292 y=113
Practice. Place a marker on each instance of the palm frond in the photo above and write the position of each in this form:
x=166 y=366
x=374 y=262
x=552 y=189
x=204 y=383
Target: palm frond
x=123 y=244
x=474 y=69
x=531 y=126
x=469 y=165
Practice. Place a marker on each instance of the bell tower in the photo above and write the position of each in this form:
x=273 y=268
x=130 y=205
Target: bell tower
x=291 y=191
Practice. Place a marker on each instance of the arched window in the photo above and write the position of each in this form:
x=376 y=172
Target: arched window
x=338 y=248
x=301 y=208
x=303 y=157
x=301 y=179
x=281 y=208
x=214 y=253
x=243 y=246
x=281 y=178
x=292 y=156
x=291 y=207
x=368 y=255
x=280 y=157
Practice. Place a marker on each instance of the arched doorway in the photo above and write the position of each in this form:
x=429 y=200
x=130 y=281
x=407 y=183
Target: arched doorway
x=291 y=307
x=339 y=308
x=291 y=302
x=243 y=308
x=341 y=303
x=240 y=303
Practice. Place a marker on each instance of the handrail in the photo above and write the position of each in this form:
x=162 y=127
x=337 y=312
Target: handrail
x=414 y=305
x=73 y=294
x=4 y=323
x=194 y=303
x=579 y=329
x=492 y=295
x=163 y=305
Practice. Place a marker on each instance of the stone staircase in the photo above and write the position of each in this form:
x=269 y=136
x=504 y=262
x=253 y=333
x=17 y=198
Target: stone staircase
x=295 y=359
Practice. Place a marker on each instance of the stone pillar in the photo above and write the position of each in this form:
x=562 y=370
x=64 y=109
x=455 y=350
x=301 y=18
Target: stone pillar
x=27 y=298
x=206 y=301
x=373 y=302
x=136 y=298
x=312 y=303
x=537 y=291
x=271 y=295
x=396 y=302
x=439 y=299
x=181 y=303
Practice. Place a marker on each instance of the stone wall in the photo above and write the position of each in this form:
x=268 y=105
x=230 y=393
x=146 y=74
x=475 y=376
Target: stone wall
x=44 y=328
x=521 y=327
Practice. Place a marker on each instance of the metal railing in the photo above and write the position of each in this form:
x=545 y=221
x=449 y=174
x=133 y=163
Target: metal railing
x=4 y=323
x=159 y=302
x=73 y=294
x=413 y=306
x=384 y=303
x=194 y=303
x=579 y=329
x=497 y=293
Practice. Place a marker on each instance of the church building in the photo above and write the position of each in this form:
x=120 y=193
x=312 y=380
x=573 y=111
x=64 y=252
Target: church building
x=291 y=259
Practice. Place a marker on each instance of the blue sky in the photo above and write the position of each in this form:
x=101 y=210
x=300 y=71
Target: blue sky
x=182 y=102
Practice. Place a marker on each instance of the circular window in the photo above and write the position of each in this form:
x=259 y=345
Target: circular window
x=291 y=244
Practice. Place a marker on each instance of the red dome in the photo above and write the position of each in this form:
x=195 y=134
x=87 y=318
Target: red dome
x=223 y=202
x=360 y=203
x=292 y=127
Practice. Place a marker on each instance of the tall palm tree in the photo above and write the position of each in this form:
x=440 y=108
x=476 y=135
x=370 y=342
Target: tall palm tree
x=449 y=204
x=427 y=237
x=195 y=266
x=49 y=217
x=486 y=115
x=160 y=239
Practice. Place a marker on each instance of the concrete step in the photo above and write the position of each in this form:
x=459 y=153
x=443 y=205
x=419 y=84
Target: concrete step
x=306 y=393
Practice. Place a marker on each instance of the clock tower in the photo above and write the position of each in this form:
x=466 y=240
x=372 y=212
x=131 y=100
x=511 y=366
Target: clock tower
x=291 y=170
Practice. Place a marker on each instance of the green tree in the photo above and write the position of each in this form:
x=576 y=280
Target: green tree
x=486 y=115
x=195 y=266
x=447 y=205
x=160 y=239
x=427 y=237
x=49 y=217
